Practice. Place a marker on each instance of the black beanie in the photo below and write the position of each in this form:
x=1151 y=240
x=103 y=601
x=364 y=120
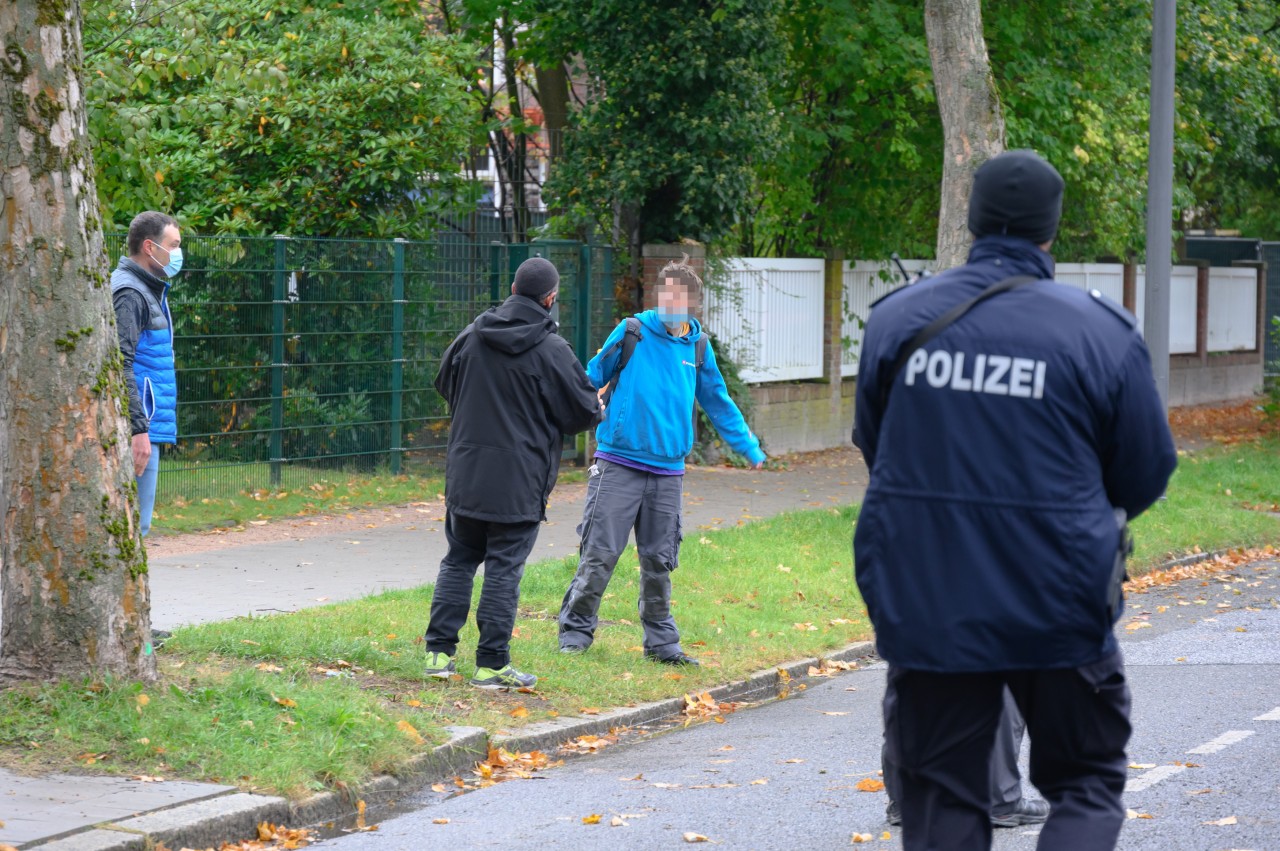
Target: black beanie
x=1016 y=193
x=536 y=278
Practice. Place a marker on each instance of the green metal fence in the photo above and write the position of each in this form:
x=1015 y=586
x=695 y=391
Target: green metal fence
x=300 y=357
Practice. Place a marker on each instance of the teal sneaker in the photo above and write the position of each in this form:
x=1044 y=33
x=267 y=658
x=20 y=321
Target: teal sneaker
x=439 y=666
x=504 y=680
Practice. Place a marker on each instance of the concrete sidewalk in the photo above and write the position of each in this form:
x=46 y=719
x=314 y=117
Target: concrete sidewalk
x=224 y=579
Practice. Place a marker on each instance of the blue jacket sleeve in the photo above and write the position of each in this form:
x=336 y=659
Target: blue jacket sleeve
x=713 y=396
x=866 y=411
x=600 y=368
x=1138 y=454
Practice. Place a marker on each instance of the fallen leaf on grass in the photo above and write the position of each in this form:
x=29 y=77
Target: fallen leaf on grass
x=285 y=702
x=412 y=732
x=268 y=668
x=594 y=818
x=869 y=784
x=590 y=710
x=1222 y=822
x=690 y=836
x=438 y=787
x=519 y=712
x=805 y=627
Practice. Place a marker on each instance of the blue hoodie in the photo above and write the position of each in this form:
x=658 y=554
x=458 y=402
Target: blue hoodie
x=650 y=415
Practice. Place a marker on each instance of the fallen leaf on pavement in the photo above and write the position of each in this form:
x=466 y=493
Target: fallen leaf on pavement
x=1142 y=766
x=1222 y=822
x=886 y=836
x=438 y=787
x=594 y=818
x=439 y=821
x=860 y=838
x=763 y=781
x=1137 y=625
x=141 y=778
x=617 y=821
x=869 y=784
x=1136 y=814
x=695 y=837
x=1201 y=792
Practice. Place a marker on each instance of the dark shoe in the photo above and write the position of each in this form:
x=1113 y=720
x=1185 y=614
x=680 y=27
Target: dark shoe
x=893 y=814
x=159 y=637
x=1026 y=811
x=677 y=659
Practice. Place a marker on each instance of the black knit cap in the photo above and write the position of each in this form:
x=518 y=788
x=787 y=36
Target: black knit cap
x=1016 y=193
x=536 y=278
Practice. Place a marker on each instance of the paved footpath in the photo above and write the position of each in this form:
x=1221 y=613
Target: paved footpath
x=224 y=576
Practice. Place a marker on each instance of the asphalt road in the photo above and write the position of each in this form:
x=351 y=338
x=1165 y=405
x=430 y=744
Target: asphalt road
x=1205 y=674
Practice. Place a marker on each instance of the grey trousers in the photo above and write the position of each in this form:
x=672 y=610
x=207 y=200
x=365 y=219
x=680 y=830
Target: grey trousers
x=618 y=499
x=1006 y=782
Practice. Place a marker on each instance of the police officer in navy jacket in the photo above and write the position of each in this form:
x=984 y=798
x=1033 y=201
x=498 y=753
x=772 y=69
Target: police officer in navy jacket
x=1005 y=454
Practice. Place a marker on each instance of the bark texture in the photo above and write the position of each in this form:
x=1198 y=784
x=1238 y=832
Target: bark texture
x=969 y=105
x=73 y=584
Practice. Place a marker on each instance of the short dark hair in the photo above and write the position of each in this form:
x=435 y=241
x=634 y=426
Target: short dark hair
x=682 y=272
x=149 y=225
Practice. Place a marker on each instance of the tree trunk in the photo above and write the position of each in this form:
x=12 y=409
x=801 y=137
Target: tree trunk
x=969 y=105
x=553 y=95
x=73 y=594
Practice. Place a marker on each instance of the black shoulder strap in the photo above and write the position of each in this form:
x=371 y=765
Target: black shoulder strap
x=700 y=350
x=630 y=337
x=936 y=327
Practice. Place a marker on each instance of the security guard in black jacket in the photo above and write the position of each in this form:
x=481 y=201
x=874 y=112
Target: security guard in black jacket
x=514 y=387
x=1006 y=447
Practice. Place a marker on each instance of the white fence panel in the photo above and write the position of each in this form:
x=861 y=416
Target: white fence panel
x=864 y=282
x=1106 y=278
x=1233 y=309
x=769 y=314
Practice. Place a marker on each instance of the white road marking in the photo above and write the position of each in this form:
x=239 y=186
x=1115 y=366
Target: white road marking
x=1152 y=777
x=1273 y=715
x=1225 y=740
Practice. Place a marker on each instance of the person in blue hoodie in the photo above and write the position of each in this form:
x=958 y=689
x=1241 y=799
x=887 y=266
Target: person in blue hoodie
x=1006 y=452
x=637 y=479
x=140 y=295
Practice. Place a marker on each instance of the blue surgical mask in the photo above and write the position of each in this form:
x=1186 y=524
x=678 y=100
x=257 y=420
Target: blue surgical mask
x=673 y=317
x=174 y=266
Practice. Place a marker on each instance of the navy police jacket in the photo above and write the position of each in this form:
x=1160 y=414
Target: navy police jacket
x=987 y=540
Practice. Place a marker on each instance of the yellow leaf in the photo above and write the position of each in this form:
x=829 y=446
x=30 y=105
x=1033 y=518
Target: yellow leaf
x=410 y=731
x=413 y=703
x=886 y=836
x=690 y=836
x=159 y=177
x=761 y=782
x=589 y=710
x=860 y=837
x=344 y=51
x=439 y=821
x=594 y=818
x=869 y=784
x=1142 y=766
x=519 y=712
x=284 y=701
x=142 y=700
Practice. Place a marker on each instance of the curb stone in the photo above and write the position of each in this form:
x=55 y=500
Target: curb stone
x=212 y=822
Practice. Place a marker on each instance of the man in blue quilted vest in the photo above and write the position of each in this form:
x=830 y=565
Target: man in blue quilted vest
x=140 y=293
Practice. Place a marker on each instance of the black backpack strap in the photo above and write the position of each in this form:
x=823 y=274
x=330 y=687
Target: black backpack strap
x=700 y=350
x=934 y=328
x=630 y=337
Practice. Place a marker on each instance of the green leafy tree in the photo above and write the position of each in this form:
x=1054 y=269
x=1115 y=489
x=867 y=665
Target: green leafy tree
x=678 y=116
x=264 y=116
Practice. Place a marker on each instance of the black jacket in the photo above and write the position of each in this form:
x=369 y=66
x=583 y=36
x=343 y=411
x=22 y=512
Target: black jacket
x=513 y=387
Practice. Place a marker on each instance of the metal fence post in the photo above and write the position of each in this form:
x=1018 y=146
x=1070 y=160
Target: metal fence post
x=278 y=297
x=397 y=355
x=582 y=301
x=495 y=272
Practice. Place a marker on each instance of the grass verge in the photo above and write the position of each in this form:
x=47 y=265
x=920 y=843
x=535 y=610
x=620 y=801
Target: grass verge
x=299 y=702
